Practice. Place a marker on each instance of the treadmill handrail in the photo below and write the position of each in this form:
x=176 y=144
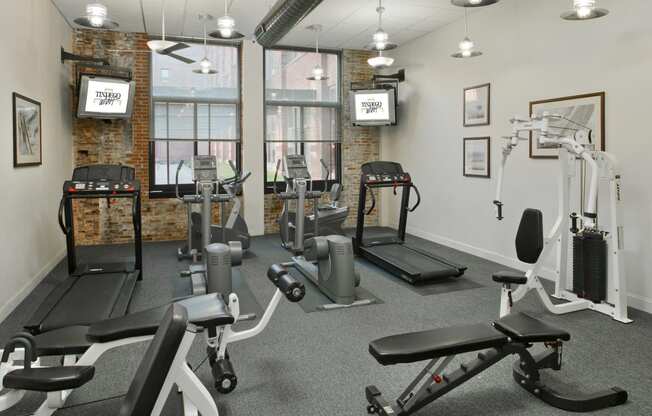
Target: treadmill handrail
x=62 y=224
x=418 y=198
x=373 y=202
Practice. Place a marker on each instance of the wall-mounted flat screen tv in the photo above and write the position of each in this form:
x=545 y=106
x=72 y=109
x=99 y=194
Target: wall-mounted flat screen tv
x=105 y=97
x=373 y=107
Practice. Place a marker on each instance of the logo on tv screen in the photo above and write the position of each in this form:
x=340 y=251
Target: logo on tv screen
x=372 y=106
x=107 y=97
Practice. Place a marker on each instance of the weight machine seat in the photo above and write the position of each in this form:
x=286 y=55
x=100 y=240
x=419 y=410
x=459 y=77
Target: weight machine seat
x=205 y=311
x=48 y=379
x=524 y=328
x=426 y=345
x=517 y=278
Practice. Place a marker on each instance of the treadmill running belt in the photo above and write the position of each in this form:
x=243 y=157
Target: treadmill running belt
x=414 y=265
x=88 y=299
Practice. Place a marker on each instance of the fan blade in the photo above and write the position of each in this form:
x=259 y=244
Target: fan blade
x=176 y=47
x=181 y=58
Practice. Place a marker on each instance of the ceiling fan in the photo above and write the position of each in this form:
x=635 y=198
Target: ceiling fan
x=166 y=47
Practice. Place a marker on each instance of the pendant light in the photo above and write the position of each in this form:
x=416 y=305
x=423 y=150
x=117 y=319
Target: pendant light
x=473 y=3
x=226 y=26
x=205 y=65
x=380 y=38
x=584 y=10
x=97 y=17
x=159 y=45
x=380 y=61
x=466 y=46
x=317 y=71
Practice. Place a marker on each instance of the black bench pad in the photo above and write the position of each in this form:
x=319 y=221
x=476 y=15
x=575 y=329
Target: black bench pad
x=426 y=345
x=206 y=311
x=517 y=278
x=64 y=341
x=48 y=379
x=524 y=328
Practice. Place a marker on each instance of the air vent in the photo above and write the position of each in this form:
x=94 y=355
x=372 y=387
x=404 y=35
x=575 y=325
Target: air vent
x=281 y=19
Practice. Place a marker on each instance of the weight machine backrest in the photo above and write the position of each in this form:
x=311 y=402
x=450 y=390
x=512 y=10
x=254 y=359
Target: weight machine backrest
x=529 y=238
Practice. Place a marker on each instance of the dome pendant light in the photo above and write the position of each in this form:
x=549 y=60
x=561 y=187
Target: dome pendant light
x=317 y=72
x=380 y=61
x=584 y=10
x=473 y=3
x=381 y=38
x=159 y=45
x=97 y=17
x=205 y=65
x=466 y=46
x=226 y=26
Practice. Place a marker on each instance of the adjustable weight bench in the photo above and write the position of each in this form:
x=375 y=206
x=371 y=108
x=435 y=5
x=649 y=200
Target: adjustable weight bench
x=513 y=334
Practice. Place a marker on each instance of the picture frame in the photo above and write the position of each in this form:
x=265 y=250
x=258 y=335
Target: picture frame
x=583 y=109
x=28 y=146
x=477 y=105
x=476 y=157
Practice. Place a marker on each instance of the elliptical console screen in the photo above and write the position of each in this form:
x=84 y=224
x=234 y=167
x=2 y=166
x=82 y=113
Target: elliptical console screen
x=374 y=107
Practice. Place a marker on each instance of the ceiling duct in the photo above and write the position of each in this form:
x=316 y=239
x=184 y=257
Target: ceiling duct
x=281 y=19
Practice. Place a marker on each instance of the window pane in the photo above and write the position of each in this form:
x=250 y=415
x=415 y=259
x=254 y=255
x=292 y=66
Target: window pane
x=286 y=72
x=316 y=151
x=173 y=78
x=319 y=124
x=275 y=152
x=225 y=152
x=161 y=163
x=179 y=151
x=283 y=123
x=203 y=120
x=223 y=122
x=181 y=119
x=160 y=121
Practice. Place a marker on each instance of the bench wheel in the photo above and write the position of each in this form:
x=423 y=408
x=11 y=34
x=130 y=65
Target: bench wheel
x=371 y=409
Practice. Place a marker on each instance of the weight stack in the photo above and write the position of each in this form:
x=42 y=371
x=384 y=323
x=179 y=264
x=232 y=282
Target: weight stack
x=590 y=266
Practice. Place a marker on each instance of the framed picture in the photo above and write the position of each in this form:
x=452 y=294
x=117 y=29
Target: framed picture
x=27 y=131
x=477 y=157
x=477 y=105
x=578 y=110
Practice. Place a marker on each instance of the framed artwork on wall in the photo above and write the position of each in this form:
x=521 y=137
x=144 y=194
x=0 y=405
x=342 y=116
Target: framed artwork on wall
x=577 y=111
x=477 y=157
x=477 y=105
x=27 y=131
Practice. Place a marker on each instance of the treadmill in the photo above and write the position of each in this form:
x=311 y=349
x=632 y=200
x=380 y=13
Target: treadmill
x=93 y=291
x=392 y=253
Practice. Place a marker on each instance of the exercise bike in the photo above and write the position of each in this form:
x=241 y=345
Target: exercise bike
x=330 y=216
x=327 y=261
x=232 y=228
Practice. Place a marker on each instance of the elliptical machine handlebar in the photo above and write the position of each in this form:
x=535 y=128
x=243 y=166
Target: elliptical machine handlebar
x=328 y=174
x=176 y=181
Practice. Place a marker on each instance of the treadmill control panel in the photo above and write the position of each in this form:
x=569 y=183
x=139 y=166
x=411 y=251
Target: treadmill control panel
x=384 y=174
x=100 y=180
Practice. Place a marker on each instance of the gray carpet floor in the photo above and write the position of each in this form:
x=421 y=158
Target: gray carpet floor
x=318 y=364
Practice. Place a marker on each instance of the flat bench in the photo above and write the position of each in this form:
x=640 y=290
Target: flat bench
x=513 y=334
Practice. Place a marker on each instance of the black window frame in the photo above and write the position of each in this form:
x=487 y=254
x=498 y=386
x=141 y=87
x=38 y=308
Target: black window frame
x=318 y=184
x=169 y=190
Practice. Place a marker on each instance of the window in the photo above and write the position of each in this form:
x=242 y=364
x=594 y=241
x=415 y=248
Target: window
x=193 y=114
x=302 y=116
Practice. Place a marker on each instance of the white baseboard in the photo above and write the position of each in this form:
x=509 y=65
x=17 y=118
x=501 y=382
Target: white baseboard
x=634 y=301
x=11 y=304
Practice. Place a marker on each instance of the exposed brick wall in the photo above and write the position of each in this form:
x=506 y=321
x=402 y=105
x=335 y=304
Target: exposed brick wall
x=359 y=145
x=125 y=142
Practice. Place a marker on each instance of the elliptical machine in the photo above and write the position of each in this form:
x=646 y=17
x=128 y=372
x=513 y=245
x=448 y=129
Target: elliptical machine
x=327 y=219
x=332 y=270
x=233 y=227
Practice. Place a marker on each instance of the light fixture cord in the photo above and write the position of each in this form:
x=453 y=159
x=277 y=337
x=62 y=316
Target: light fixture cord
x=317 y=41
x=205 y=44
x=466 y=23
x=163 y=20
x=226 y=7
x=380 y=14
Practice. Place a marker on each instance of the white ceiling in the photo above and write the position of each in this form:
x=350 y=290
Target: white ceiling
x=347 y=23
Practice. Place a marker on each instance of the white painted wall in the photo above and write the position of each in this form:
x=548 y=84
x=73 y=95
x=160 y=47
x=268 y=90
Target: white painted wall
x=529 y=54
x=252 y=136
x=31 y=243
